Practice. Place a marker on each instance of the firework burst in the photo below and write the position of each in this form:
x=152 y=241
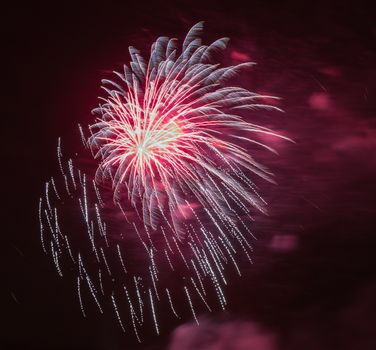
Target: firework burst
x=167 y=132
x=170 y=139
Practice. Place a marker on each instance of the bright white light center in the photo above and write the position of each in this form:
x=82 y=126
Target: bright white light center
x=156 y=142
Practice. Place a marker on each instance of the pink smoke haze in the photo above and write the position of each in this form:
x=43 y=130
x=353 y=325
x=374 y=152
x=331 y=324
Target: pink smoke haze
x=284 y=243
x=236 y=335
x=240 y=56
x=319 y=101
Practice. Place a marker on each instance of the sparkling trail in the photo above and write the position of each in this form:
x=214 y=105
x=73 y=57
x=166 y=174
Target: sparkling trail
x=153 y=312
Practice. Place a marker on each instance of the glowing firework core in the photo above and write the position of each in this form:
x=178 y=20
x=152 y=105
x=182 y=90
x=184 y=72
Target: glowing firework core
x=153 y=145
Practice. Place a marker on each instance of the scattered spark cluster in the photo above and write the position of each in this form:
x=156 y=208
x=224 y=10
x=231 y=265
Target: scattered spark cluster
x=173 y=171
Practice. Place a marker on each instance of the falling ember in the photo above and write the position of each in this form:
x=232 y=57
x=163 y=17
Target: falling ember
x=173 y=172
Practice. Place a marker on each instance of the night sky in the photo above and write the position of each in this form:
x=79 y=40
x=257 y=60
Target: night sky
x=313 y=283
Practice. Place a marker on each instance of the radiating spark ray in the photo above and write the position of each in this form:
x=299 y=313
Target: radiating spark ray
x=105 y=262
x=54 y=187
x=131 y=309
x=200 y=295
x=190 y=304
x=41 y=227
x=153 y=282
x=171 y=304
x=153 y=312
x=169 y=260
x=121 y=259
x=117 y=312
x=79 y=296
x=71 y=173
x=93 y=293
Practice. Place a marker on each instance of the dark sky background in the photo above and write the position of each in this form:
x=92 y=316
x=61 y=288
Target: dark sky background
x=313 y=281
